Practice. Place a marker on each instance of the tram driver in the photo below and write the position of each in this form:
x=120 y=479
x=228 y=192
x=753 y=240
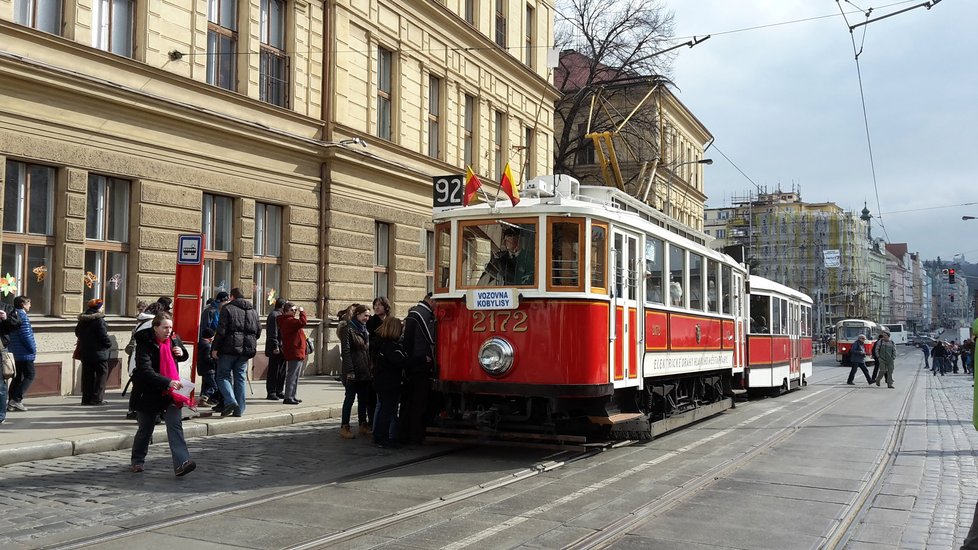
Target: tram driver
x=511 y=264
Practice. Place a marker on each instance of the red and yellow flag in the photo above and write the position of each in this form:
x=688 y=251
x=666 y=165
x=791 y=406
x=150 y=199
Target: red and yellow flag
x=508 y=185
x=472 y=186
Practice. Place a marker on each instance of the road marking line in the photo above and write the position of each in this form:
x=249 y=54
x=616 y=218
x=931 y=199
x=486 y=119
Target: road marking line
x=807 y=395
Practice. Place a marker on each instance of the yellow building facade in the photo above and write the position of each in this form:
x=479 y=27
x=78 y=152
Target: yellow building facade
x=125 y=124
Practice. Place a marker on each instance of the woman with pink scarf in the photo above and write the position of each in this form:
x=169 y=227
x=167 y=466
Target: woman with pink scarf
x=155 y=381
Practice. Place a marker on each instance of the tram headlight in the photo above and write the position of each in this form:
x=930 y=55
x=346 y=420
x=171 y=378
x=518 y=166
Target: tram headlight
x=496 y=356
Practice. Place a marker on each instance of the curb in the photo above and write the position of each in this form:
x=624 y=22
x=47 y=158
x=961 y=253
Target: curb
x=193 y=428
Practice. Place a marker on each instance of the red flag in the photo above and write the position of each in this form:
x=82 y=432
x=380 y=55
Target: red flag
x=472 y=186
x=508 y=184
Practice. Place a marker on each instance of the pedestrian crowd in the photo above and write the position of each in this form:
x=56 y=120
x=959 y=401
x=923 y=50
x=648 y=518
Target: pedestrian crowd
x=945 y=356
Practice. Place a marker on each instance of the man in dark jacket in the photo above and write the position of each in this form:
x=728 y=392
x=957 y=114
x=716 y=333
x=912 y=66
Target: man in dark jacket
x=212 y=313
x=275 y=377
x=9 y=322
x=236 y=341
x=419 y=346
x=94 y=345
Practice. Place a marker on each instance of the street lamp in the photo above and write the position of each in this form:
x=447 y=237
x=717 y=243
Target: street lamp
x=672 y=174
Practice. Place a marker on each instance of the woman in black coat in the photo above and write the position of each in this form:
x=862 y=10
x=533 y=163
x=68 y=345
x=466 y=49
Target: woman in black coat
x=389 y=361
x=154 y=381
x=92 y=350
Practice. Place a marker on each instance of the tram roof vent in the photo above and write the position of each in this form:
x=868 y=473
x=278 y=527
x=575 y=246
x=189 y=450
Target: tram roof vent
x=552 y=185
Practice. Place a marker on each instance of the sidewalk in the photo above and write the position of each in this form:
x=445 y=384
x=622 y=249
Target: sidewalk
x=54 y=427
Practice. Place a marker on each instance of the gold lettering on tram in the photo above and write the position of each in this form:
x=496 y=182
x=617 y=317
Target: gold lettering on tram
x=656 y=330
x=500 y=321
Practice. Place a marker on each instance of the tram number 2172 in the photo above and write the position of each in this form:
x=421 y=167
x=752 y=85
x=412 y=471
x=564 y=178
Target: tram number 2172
x=499 y=321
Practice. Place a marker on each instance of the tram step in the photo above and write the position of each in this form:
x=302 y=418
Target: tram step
x=613 y=419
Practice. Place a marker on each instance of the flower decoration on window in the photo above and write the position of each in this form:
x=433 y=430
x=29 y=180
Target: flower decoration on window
x=41 y=271
x=115 y=281
x=8 y=285
x=90 y=279
x=271 y=297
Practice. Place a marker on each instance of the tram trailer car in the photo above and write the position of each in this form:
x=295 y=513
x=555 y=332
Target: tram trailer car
x=846 y=332
x=582 y=311
x=779 y=338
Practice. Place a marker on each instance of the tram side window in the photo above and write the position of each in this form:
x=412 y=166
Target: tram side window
x=695 y=281
x=727 y=283
x=677 y=275
x=565 y=260
x=712 y=272
x=443 y=250
x=654 y=266
x=599 y=256
x=775 y=316
x=784 y=316
x=498 y=254
x=760 y=307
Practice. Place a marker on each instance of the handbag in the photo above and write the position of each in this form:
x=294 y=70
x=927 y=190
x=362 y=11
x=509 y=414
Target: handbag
x=309 y=347
x=9 y=366
x=76 y=355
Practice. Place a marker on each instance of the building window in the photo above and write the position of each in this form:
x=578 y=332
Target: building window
x=501 y=23
x=470 y=12
x=274 y=63
x=498 y=143
x=28 y=234
x=107 y=242
x=721 y=233
x=385 y=96
x=429 y=261
x=382 y=235
x=585 y=151
x=528 y=48
x=434 y=111
x=268 y=256
x=529 y=158
x=43 y=15
x=112 y=26
x=222 y=43
x=218 y=229
x=468 y=131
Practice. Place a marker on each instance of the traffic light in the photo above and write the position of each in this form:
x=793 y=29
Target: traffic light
x=950 y=276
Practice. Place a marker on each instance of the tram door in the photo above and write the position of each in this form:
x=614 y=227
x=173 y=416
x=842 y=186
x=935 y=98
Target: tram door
x=625 y=329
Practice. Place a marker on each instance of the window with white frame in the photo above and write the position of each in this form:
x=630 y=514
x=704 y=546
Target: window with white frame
x=43 y=15
x=498 y=143
x=222 y=43
x=382 y=235
x=112 y=26
x=218 y=228
x=268 y=256
x=500 y=14
x=434 y=116
x=470 y=11
x=273 y=71
x=468 y=132
x=529 y=158
x=528 y=47
x=28 y=234
x=385 y=92
x=107 y=242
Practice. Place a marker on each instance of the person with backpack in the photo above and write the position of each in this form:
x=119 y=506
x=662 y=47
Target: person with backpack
x=235 y=342
x=418 y=342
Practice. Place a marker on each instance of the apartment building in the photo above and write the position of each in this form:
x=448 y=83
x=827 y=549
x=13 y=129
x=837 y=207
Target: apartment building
x=300 y=138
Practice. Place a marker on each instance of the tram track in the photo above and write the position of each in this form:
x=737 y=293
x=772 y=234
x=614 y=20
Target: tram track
x=260 y=500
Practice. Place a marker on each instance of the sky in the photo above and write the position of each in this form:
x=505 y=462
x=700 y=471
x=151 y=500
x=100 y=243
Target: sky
x=783 y=103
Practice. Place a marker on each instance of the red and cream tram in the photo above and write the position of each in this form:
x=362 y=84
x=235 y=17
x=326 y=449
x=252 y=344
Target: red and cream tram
x=582 y=308
x=848 y=330
x=779 y=338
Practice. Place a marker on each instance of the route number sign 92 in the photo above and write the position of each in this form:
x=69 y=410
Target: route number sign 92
x=447 y=190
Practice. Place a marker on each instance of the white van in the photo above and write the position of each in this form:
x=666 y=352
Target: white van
x=897 y=333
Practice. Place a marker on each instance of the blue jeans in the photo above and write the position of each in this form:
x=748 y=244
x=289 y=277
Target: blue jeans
x=292 y=369
x=174 y=436
x=3 y=400
x=236 y=365
x=384 y=415
x=208 y=383
x=940 y=365
x=356 y=391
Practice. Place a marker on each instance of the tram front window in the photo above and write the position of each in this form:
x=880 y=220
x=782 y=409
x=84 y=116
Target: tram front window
x=498 y=254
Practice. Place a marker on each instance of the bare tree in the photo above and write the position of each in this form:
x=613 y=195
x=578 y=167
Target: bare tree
x=610 y=60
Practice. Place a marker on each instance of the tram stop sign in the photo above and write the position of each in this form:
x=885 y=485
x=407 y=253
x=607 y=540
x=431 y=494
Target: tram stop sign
x=187 y=288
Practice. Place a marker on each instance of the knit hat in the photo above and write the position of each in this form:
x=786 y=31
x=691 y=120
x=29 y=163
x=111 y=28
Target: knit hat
x=221 y=297
x=95 y=303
